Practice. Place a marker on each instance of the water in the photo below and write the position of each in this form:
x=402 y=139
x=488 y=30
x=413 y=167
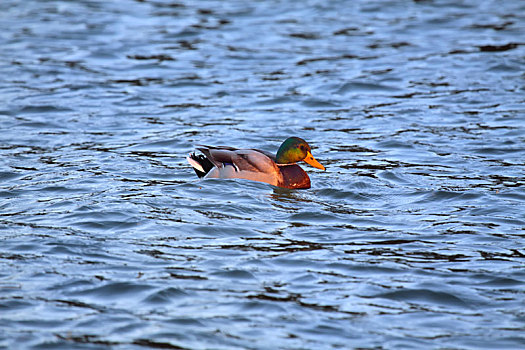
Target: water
x=413 y=238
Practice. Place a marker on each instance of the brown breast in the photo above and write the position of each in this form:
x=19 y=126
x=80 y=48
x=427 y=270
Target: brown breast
x=294 y=177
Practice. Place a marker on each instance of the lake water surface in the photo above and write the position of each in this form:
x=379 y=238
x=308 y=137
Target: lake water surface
x=413 y=238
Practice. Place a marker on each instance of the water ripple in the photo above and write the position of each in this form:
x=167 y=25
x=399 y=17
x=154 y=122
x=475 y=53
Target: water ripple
x=411 y=238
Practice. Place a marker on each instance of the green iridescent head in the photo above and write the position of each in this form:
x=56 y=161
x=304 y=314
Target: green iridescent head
x=295 y=149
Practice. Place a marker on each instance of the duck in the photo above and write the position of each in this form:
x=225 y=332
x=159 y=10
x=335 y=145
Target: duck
x=280 y=170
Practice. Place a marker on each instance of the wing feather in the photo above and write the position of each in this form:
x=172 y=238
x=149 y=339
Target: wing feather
x=248 y=164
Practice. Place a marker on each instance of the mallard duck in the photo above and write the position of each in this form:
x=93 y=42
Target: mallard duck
x=280 y=170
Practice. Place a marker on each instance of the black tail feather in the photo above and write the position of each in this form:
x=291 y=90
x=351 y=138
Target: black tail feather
x=204 y=162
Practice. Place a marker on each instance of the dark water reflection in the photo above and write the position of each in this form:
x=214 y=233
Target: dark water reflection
x=412 y=238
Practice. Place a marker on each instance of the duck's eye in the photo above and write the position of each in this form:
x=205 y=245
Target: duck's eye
x=302 y=147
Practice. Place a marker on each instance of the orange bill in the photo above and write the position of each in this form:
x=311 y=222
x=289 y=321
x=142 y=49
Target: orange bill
x=313 y=162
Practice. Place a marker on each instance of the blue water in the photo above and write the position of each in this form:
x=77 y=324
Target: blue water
x=413 y=238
